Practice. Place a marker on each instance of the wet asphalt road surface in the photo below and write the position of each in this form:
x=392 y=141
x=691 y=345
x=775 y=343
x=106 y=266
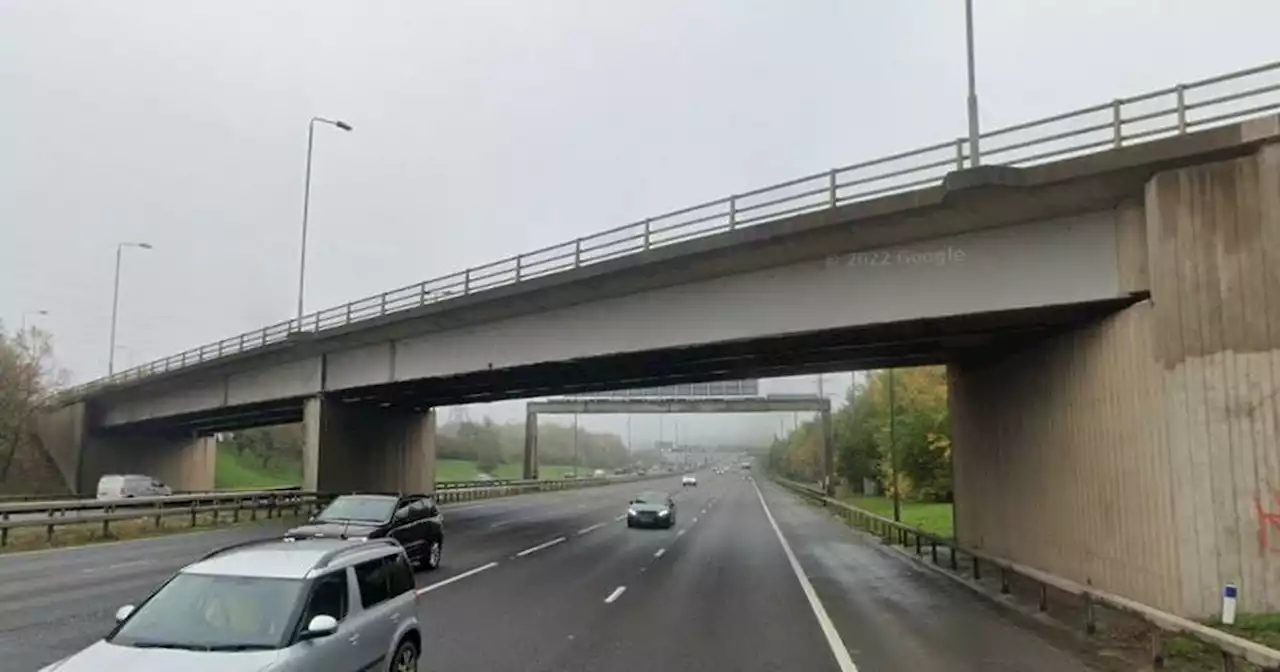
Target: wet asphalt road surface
x=556 y=582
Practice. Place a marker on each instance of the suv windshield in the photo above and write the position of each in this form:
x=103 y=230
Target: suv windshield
x=213 y=613
x=369 y=509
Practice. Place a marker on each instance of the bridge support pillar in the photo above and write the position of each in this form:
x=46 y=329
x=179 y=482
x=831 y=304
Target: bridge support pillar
x=349 y=447
x=531 y=446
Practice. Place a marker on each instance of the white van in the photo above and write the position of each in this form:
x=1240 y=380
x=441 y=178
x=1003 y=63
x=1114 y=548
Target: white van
x=124 y=486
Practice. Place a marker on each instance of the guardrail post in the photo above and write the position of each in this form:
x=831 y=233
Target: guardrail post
x=1182 y=108
x=977 y=569
x=831 y=188
x=241 y=348
x=382 y=310
x=577 y=252
x=648 y=233
x=466 y=281
x=1116 y=124
x=1157 y=649
x=959 y=153
x=4 y=531
x=733 y=212
x=348 y=320
x=519 y=266
x=1044 y=597
x=918 y=550
x=1228 y=662
x=1090 y=618
x=1004 y=581
x=106 y=528
x=954 y=567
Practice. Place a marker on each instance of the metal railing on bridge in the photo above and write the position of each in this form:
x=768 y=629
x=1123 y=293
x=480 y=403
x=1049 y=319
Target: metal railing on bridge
x=1124 y=121
x=942 y=550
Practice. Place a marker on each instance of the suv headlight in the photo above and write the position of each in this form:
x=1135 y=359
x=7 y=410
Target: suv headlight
x=631 y=512
x=664 y=512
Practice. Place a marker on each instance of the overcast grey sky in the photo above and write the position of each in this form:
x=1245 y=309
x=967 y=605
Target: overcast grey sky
x=483 y=129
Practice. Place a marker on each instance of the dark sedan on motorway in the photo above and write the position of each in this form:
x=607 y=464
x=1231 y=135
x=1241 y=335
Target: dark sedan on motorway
x=413 y=520
x=652 y=509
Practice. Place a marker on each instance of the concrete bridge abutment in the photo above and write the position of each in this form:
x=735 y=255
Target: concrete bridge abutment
x=183 y=461
x=1141 y=453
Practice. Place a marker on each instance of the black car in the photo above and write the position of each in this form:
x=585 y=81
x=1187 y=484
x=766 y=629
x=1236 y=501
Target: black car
x=413 y=520
x=652 y=509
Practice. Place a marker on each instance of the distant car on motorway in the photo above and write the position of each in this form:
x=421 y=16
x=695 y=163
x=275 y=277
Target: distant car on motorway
x=651 y=509
x=689 y=480
x=128 y=486
x=317 y=605
x=412 y=520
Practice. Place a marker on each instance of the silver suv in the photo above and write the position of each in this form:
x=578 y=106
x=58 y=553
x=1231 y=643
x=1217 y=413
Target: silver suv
x=314 y=605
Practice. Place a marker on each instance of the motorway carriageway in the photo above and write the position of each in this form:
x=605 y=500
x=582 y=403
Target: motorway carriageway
x=556 y=582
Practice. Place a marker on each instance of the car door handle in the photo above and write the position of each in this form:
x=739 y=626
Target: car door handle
x=354 y=638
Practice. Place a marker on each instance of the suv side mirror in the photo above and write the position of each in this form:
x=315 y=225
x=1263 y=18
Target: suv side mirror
x=320 y=626
x=124 y=612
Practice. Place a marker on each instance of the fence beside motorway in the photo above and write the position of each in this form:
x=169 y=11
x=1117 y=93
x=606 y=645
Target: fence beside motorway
x=231 y=507
x=943 y=551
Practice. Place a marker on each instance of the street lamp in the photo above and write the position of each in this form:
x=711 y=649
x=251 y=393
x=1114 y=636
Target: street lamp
x=115 y=302
x=973 y=87
x=25 y=313
x=306 y=203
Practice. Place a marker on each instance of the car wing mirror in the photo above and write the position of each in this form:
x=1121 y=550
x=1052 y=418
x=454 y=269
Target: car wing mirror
x=320 y=626
x=124 y=612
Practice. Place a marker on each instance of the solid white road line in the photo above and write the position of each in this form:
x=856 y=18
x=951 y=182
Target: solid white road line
x=459 y=577
x=843 y=660
x=617 y=592
x=539 y=547
x=659 y=553
x=592 y=528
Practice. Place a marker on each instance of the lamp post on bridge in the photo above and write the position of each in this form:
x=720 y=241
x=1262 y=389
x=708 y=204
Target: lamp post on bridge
x=115 y=301
x=893 y=453
x=974 y=155
x=306 y=203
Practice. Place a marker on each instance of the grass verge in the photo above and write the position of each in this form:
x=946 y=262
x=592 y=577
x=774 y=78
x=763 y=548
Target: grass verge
x=933 y=518
x=231 y=472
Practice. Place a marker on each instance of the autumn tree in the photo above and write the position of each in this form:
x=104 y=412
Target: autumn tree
x=27 y=376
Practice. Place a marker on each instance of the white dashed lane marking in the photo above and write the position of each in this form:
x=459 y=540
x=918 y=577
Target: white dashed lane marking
x=441 y=584
x=539 y=547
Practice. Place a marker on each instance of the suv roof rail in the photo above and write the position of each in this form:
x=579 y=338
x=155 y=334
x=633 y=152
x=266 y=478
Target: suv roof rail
x=331 y=555
x=238 y=545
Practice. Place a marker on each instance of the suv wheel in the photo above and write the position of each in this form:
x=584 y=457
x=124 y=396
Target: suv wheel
x=406 y=658
x=431 y=560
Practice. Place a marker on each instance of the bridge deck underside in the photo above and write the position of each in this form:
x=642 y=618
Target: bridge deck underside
x=913 y=343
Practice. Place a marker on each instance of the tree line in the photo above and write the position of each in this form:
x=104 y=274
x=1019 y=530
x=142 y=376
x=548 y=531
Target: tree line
x=490 y=444
x=866 y=442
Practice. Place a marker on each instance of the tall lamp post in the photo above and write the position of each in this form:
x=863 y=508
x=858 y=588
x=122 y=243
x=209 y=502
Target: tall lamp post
x=893 y=453
x=973 y=86
x=306 y=203
x=115 y=302
x=25 y=313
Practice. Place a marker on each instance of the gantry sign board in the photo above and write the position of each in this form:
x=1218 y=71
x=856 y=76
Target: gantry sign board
x=717 y=390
